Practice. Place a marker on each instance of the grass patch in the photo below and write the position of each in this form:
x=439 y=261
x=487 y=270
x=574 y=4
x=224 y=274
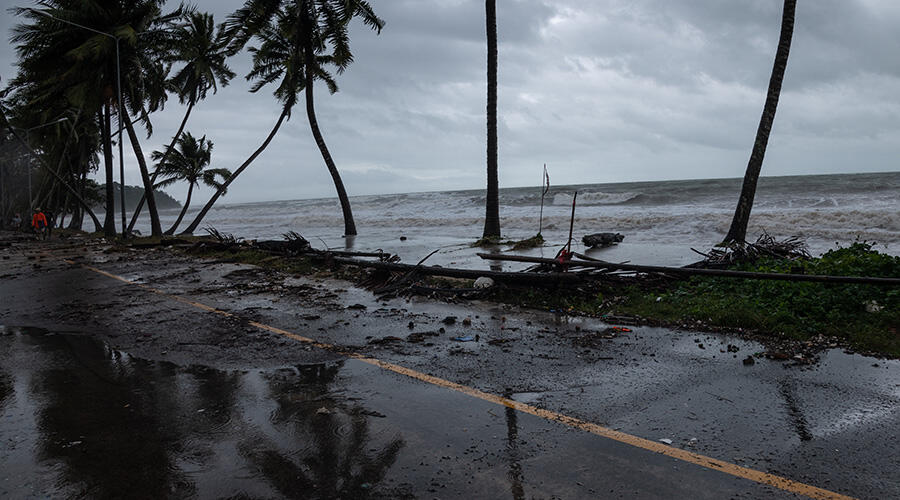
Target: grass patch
x=867 y=317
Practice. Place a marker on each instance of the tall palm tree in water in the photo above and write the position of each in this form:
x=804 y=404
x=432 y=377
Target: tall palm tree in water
x=492 y=203
x=737 y=233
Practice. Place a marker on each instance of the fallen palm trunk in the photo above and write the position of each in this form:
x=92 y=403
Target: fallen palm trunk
x=687 y=271
x=502 y=276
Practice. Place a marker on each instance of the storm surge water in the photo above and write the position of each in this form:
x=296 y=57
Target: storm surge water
x=822 y=210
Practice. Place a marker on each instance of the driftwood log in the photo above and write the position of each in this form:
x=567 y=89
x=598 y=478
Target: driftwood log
x=688 y=271
x=502 y=276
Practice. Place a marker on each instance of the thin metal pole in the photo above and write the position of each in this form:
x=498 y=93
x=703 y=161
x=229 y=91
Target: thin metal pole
x=28 y=143
x=121 y=157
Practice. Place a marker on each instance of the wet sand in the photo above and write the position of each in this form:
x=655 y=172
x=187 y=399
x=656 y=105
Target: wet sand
x=83 y=347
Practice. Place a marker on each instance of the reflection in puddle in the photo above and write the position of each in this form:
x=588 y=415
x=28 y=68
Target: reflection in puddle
x=80 y=419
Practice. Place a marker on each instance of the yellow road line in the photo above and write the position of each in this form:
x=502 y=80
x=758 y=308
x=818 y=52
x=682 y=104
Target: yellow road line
x=638 y=442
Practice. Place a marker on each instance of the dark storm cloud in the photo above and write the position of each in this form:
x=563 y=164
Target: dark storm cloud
x=605 y=90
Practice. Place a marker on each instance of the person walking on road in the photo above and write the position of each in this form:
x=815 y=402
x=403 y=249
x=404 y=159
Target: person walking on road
x=39 y=223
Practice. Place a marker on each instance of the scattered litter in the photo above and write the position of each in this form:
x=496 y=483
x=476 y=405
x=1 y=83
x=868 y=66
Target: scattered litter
x=449 y=320
x=873 y=306
x=484 y=282
x=619 y=329
x=749 y=361
x=465 y=338
x=323 y=411
x=666 y=441
x=357 y=306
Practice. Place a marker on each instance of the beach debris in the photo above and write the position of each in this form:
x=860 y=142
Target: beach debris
x=417 y=337
x=357 y=306
x=601 y=239
x=483 y=282
x=766 y=246
x=666 y=441
x=873 y=306
x=449 y=320
x=465 y=338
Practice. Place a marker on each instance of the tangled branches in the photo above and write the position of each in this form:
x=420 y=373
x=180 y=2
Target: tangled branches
x=766 y=246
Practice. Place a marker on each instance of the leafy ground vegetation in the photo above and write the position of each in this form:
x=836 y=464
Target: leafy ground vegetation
x=865 y=316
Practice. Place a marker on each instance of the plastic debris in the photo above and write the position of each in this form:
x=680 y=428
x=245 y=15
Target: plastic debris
x=666 y=441
x=465 y=338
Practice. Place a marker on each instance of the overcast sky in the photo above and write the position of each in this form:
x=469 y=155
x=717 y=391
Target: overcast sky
x=599 y=90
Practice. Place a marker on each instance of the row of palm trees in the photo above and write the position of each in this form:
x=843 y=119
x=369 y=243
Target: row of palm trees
x=72 y=53
x=92 y=60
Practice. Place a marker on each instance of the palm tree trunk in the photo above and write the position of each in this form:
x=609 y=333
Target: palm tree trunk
x=155 y=226
x=190 y=229
x=187 y=202
x=349 y=224
x=492 y=202
x=737 y=233
x=140 y=205
x=109 y=220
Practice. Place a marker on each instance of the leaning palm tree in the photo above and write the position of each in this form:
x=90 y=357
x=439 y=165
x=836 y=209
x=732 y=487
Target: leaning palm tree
x=737 y=233
x=492 y=202
x=301 y=41
x=286 y=92
x=203 y=53
x=188 y=163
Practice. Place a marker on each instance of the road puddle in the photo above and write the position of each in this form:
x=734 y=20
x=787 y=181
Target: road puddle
x=80 y=419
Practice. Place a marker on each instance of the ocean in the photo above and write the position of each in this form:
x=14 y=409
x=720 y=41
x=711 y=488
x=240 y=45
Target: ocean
x=660 y=221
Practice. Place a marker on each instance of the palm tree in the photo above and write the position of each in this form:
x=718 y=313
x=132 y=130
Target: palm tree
x=74 y=47
x=300 y=41
x=203 y=54
x=188 y=163
x=737 y=233
x=286 y=93
x=492 y=203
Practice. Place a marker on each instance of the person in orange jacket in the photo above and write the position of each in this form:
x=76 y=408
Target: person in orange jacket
x=39 y=223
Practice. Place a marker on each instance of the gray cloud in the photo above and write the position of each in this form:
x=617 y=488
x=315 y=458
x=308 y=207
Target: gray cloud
x=601 y=91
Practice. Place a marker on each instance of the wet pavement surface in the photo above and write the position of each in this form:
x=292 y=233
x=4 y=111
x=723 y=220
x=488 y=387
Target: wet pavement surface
x=80 y=419
x=112 y=390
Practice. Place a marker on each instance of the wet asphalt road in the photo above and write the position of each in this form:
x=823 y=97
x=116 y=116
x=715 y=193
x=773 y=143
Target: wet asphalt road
x=181 y=402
